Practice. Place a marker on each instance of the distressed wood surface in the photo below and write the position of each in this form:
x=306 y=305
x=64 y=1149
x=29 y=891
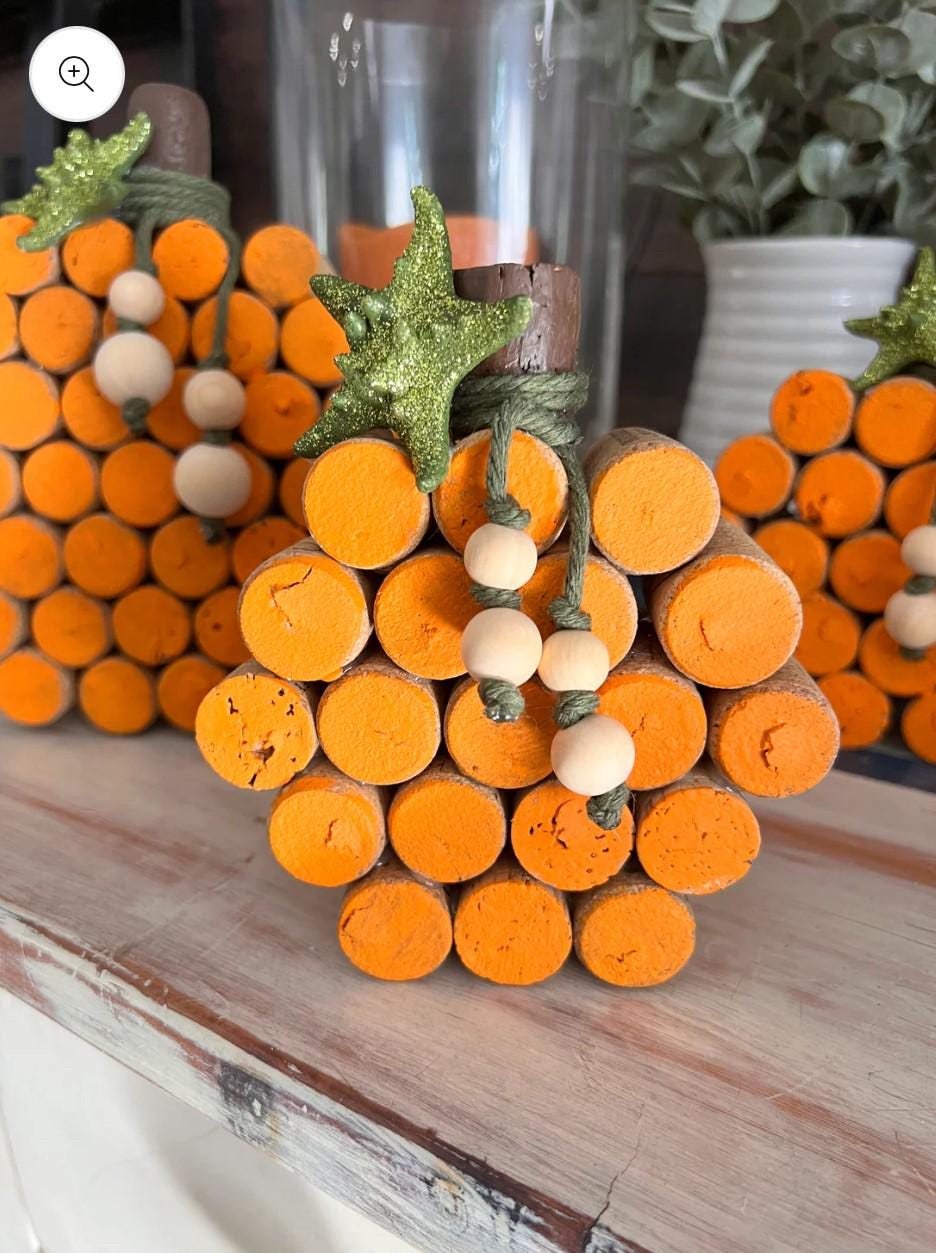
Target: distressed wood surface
x=778 y=1094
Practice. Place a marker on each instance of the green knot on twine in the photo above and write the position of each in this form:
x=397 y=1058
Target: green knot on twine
x=134 y=413
x=503 y=701
x=605 y=810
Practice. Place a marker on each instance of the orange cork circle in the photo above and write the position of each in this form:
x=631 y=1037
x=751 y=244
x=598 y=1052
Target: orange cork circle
x=909 y=500
x=94 y=254
x=801 y=554
x=866 y=570
x=881 y=660
x=325 y=829
x=34 y=691
x=896 y=422
x=507 y=754
x=72 y=628
x=30 y=556
x=182 y=686
x=755 y=475
x=918 y=724
x=60 y=481
x=251 y=337
x=136 y=483
x=260 y=541
x=22 y=272
x=89 y=418
x=118 y=696
x=839 y=493
x=555 y=841
x=30 y=412
x=830 y=636
x=279 y=408
x=445 y=827
x=217 y=629
x=607 y=597
x=421 y=610
x=512 y=929
x=104 y=557
x=58 y=327
x=191 y=258
x=277 y=263
x=395 y=927
x=151 y=625
x=812 y=410
x=864 y=712
x=184 y=562
x=310 y=341
x=632 y=933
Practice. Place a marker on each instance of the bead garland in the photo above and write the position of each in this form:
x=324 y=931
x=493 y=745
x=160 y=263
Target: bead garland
x=910 y=614
x=591 y=754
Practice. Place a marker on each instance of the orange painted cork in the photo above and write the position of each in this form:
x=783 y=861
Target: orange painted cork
x=217 y=630
x=118 y=696
x=71 y=627
x=812 y=411
x=801 y=554
x=310 y=340
x=775 y=738
x=730 y=617
x=252 y=337
x=34 y=690
x=866 y=570
x=279 y=408
x=172 y=328
x=554 y=840
x=303 y=615
x=260 y=541
x=896 y=422
x=191 y=258
x=755 y=475
x=58 y=328
x=262 y=488
x=167 y=421
x=909 y=500
x=379 y=724
x=291 y=484
x=918 y=725
x=884 y=664
x=608 y=597
x=504 y=754
x=256 y=730
x=660 y=707
x=93 y=255
x=839 y=493
x=9 y=329
x=29 y=406
x=151 y=625
x=182 y=686
x=184 y=562
x=325 y=829
x=829 y=640
x=14 y=624
x=23 y=272
x=60 y=481
x=654 y=503
x=633 y=933
x=104 y=557
x=395 y=926
x=136 y=483
x=864 y=712
x=535 y=477
x=362 y=505
x=512 y=929
x=277 y=263
x=11 y=485
x=420 y=611
x=30 y=556
x=89 y=418
x=696 y=835
x=445 y=827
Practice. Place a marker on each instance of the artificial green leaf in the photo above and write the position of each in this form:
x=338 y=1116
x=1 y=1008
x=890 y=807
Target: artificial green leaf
x=682 y=117
x=641 y=78
x=887 y=101
x=919 y=26
x=675 y=26
x=735 y=134
x=824 y=164
x=750 y=10
x=880 y=49
x=819 y=217
x=709 y=89
x=749 y=66
x=713 y=222
x=852 y=120
x=708 y=15
x=777 y=181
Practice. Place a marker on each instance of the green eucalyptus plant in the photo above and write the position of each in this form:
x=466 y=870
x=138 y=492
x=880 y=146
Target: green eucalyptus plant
x=789 y=117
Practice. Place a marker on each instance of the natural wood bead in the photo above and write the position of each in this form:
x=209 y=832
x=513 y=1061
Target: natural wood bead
x=133 y=364
x=593 y=755
x=919 y=550
x=136 y=296
x=214 y=399
x=911 y=620
x=501 y=644
x=212 y=480
x=500 y=556
x=574 y=661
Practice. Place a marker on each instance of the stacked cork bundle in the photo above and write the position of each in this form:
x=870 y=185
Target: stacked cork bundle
x=112 y=596
x=830 y=494
x=447 y=827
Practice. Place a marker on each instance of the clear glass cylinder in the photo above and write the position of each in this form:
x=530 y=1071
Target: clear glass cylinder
x=512 y=111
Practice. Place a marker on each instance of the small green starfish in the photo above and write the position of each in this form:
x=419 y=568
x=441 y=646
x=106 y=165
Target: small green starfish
x=905 y=332
x=85 y=180
x=411 y=344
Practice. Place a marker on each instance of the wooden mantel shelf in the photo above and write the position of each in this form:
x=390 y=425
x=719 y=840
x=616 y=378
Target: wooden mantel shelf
x=779 y=1094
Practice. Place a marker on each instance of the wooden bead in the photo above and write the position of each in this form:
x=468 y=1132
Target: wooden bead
x=919 y=550
x=592 y=756
x=500 y=556
x=501 y=644
x=574 y=661
x=136 y=296
x=911 y=620
x=214 y=399
x=212 y=480
x=133 y=365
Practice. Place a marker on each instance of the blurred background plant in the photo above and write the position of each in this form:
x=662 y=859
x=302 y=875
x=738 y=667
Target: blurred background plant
x=789 y=117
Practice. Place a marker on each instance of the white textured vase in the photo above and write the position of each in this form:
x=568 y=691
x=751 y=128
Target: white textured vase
x=775 y=306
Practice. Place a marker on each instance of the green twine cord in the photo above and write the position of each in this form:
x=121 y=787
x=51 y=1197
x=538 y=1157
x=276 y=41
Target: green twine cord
x=542 y=405
x=920 y=585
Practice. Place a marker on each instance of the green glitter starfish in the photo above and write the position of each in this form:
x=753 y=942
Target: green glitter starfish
x=85 y=180
x=906 y=332
x=411 y=344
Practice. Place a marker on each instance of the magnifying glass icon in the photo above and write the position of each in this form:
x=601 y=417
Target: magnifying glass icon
x=74 y=71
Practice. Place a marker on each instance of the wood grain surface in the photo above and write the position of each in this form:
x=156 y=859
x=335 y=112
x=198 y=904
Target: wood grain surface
x=777 y=1095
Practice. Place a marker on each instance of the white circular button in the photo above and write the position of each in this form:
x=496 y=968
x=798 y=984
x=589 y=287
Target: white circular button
x=76 y=73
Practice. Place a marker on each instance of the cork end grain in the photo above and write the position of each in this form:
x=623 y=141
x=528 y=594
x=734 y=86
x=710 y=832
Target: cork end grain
x=801 y=554
x=812 y=411
x=118 y=696
x=105 y=557
x=555 y=841
x=839 y=493
x=830 y=635
x=34 y=691
x=755 y=475
x=896 y=422
x=421 y=610
x=394 y=926
x=72 y=628
x=863 y=711
x=512 y=929
x=607 y=596
x=30 y=556
x=326 y=830
x=446 y=827
x=502 y=755
x=881 y=660
x=909 y=500
x=182 y=686
x=632 y=933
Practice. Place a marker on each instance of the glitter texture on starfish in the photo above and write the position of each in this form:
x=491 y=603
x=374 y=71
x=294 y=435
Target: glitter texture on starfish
x=85 y=180
x=905 y=332
x=411 y=344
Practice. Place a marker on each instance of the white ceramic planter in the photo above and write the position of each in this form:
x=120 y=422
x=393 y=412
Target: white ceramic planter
x=775 y=306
